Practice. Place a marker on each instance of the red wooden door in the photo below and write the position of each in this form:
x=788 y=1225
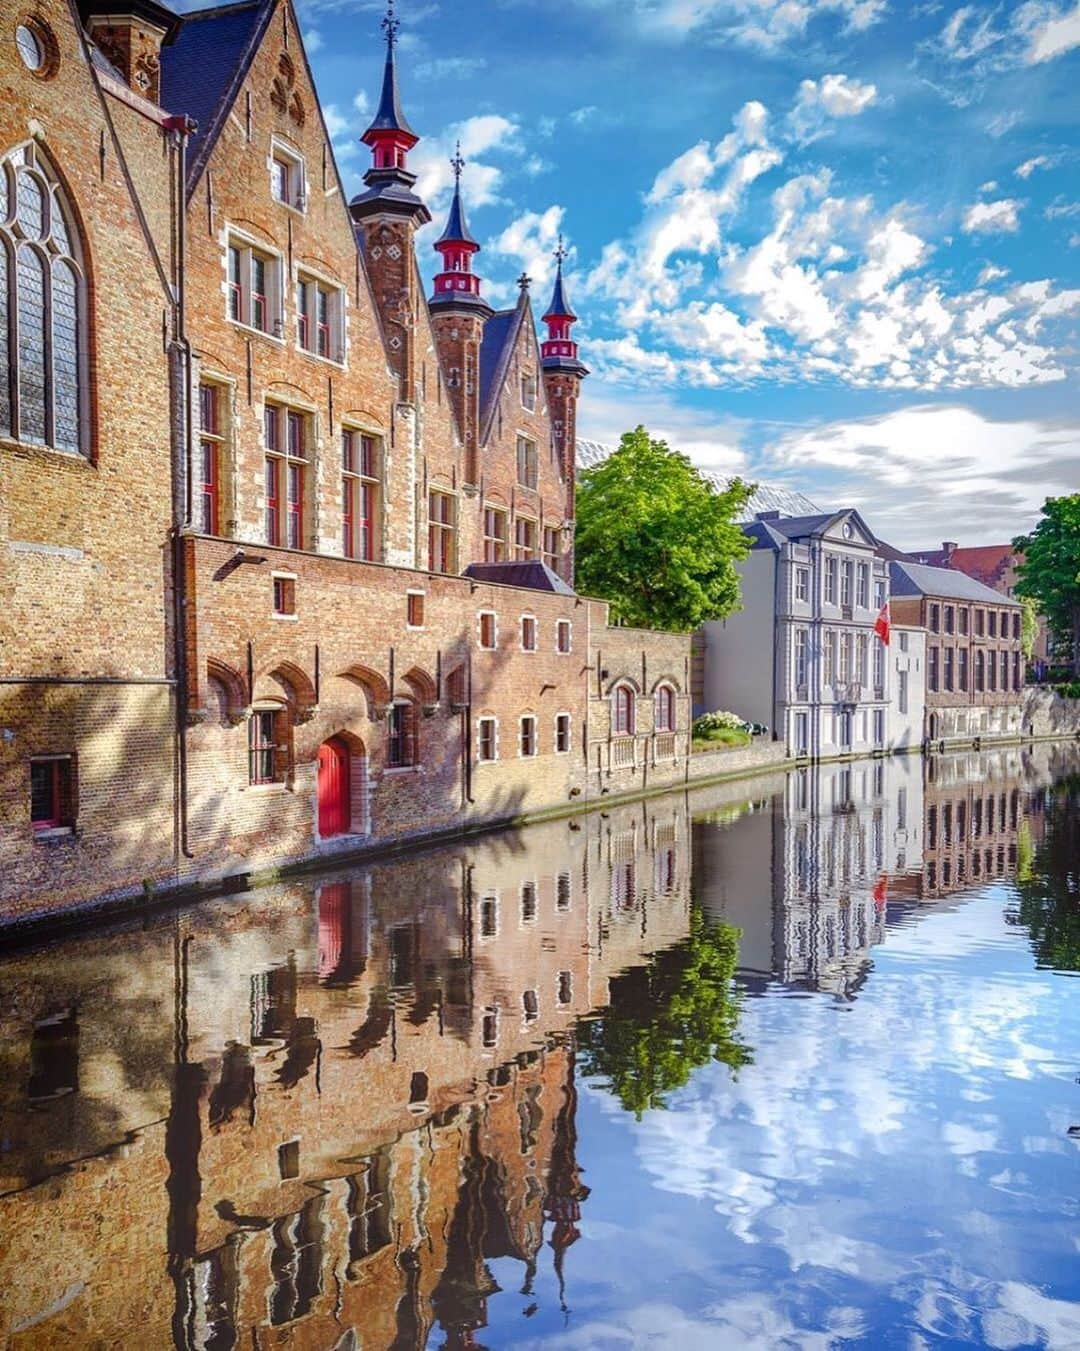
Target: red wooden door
x=333 y=789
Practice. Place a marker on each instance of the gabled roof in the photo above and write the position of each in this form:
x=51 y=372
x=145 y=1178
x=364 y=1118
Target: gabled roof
x=202 y=68
x=986 y=563
x=496 y=346
x=531 y=573
x=773 y=532
x=916 y=579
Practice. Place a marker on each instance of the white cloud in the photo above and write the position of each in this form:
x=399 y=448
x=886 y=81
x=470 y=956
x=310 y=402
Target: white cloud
x=482 y=138
x=528 y=243
x=1060 y=209
x=580 y=116
x=313 y=41
x=1051 y=32
x=1029 y=166
x=962 y=464
x=711 y=440
x=361 y=102
x=1000 y=217
x=991 y=272
x=449 y=67
x=830 y=97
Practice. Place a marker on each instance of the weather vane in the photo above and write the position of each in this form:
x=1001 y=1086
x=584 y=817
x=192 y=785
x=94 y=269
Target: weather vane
x=561 y=252
x=457 y=163
x=390 y=23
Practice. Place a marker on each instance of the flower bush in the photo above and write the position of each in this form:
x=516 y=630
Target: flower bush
x=718 y=721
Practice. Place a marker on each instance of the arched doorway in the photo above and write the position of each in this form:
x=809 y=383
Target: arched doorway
x=334 y=789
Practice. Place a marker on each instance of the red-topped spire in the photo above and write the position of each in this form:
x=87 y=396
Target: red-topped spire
x=457 y=284
x=559 y=348
x=389 y=135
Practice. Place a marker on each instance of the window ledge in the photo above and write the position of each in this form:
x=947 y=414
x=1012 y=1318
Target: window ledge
x=54 y=834
x=403 y=769
x=37 y=448
x=258 y=332
x=317 y=356
x=277 y=615
x=266 y=789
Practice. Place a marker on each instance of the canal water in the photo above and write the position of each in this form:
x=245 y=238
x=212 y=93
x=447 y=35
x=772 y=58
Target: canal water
x=787 y=1063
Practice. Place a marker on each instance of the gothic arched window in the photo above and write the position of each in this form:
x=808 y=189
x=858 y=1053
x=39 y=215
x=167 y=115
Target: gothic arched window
x=42 y=309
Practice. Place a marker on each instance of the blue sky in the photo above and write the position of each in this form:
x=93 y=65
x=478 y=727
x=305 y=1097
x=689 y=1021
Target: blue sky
x=829 y=242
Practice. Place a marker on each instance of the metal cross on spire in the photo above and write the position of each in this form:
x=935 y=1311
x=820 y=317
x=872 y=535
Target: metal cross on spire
x=561 y=252
x=524 y=281
x=457 y=163
x=390 y=24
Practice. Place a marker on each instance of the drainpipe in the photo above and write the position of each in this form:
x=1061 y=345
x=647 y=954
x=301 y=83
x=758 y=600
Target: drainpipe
x=182 y=127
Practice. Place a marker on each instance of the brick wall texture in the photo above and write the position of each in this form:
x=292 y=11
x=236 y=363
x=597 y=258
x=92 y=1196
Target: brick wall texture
x=141 y=636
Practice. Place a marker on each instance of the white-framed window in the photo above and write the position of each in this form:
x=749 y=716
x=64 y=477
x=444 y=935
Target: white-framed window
x=253 y=287
x=320 y=318
x=862 y=595
x=828 y=657
x=524 y=538
x=288 y=435
x=495 y=534
x=284 y=594
x=527 y=741
x=528 y=633
x=847 y=569
x=564 y=636
x=487 y=625
x=830 y=579
x=563 y=726
x=44 y=375
x=802 y=583
x=361 y=493
x=487 y=738
x=288 y=182
x=879 y=664
x=550 y=553
x=527 y=463
x=489 y=1028
x=528 y=390
x=802 y=653
x=802 y=731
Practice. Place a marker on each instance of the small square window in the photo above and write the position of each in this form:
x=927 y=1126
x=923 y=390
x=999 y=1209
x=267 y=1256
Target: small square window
x=414 y=610
x=563 y=635
x=528 y=633
x=488 y=631
x=287 y=178
x=285 y=596
x=52 y=793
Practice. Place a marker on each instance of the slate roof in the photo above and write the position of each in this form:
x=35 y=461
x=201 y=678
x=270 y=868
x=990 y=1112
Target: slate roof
x=388 y=115
x=529 y=573
x=203 y=65
x=916 y=579
x=456 y=229
x=560 y=306
x=500 y=333
x=775 y=531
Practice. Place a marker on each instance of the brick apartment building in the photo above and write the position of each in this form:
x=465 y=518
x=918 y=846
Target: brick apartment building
x=286 y=545
x=974 y=664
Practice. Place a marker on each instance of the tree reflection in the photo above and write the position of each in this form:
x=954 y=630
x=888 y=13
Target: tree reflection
x=669 y=1018
x=1048 y=888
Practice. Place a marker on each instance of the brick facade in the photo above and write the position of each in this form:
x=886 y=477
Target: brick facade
x=185 y=573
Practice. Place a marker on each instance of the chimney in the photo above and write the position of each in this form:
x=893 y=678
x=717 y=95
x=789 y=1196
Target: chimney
x=949 y=548
x=130 y=35
x=767 y=516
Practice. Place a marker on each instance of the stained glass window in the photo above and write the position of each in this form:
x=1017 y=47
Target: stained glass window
x=42 y=309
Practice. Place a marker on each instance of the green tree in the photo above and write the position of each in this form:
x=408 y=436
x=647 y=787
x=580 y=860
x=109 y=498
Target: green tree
x=1050 y=572
x=1048 y=885
x=656 y=539
x=1029 y=626
x=667 y=1019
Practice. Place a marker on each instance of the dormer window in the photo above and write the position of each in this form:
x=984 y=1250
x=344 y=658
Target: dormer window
x=287 y=182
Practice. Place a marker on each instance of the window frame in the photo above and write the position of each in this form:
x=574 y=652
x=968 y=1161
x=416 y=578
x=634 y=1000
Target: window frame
x=442 y=534
x=623 y=710
x=361 y=493
x=487 y=738
x=62 y=787
x=665 y=707
x=284 y=589
x=529 y=719
x=414 y=599
x=528 y=462
x=557 y=735
x=296 y=169
x=496 y=543
x=529 y=627
x=213 y=449
x=249 y=251
x=308 y=322
x=287 y=472
x=405 y=740
x=481 y=616
x=525 y=542
x=529 y=384
x=564 y=626
x=277 y=747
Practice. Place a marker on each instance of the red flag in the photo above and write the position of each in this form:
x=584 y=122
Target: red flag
x=881 y=892
x=883 y=624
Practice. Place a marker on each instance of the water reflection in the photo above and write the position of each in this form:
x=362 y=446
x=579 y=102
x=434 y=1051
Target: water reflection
x=383 y=1109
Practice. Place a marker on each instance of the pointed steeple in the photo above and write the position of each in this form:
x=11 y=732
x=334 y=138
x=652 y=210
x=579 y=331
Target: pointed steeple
x=559 y=351
x=390 y=137
x=388 y=115
x=457 y=285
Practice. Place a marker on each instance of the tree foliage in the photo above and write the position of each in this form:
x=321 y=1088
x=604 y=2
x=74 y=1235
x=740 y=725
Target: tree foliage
x=656 y=539
x=1048 y=884
x=669 y=1018
x=1050 y=572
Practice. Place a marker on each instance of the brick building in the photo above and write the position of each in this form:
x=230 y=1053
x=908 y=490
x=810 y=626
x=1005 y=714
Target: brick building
x=974 y=665
x=290 y=543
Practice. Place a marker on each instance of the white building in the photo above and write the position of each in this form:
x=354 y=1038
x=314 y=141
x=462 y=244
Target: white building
x=907 y=688
x=801 y=656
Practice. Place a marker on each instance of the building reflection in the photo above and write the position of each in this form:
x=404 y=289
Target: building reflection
x=846 y=850
x=324 y=1112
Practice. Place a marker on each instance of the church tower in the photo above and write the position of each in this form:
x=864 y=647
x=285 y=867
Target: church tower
x=458 y=315
x=563 y=374
x=387 y=217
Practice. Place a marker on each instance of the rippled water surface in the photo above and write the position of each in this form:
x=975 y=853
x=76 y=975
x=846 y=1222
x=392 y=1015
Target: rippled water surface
x=784 y=1064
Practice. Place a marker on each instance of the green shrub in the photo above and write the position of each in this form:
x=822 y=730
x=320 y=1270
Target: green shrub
x=1070 y=690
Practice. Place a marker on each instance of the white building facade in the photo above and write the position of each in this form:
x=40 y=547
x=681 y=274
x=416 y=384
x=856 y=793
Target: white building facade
x=801 y=656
